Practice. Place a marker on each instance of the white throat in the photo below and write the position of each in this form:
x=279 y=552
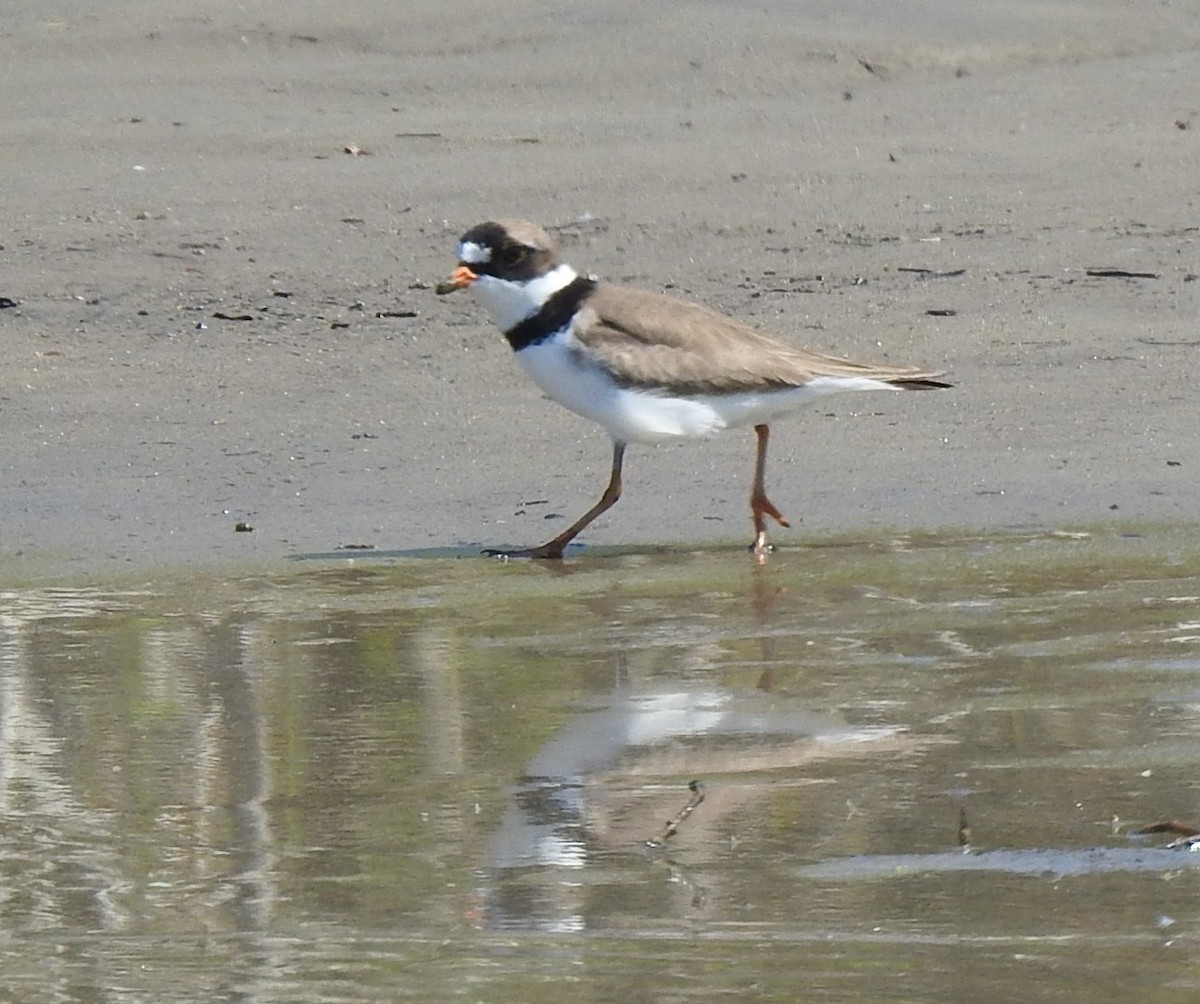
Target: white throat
x=509 y=303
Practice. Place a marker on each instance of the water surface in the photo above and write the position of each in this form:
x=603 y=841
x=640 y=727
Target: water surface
x=441 y=779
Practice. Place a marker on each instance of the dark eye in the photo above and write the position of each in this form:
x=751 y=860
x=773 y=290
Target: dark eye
x=512 y=254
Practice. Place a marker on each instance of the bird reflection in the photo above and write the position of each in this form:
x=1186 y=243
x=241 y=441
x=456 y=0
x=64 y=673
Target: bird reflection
x=587 y=794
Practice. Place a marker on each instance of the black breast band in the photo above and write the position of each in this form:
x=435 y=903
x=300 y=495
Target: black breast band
x=556 y=312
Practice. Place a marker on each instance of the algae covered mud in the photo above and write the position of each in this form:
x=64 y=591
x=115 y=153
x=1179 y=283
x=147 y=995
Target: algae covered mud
x=449 y=779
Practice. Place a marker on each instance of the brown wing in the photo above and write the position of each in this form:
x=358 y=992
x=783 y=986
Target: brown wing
x=645 y=339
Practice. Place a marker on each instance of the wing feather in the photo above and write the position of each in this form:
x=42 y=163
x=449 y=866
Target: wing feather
x=648 y=340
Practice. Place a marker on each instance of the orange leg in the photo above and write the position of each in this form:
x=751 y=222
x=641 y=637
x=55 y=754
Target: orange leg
x=760 y=506
x=553 y=549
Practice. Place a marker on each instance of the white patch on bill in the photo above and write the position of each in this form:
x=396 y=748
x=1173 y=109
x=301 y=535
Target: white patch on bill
x=474 y=254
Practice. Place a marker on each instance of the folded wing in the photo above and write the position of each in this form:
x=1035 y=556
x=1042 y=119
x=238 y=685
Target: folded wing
x=647 y=340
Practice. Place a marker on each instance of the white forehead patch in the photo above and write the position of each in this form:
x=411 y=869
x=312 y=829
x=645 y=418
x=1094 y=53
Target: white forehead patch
x=474 y=254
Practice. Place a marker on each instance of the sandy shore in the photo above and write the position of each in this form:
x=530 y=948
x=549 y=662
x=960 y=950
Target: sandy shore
x=222 y=316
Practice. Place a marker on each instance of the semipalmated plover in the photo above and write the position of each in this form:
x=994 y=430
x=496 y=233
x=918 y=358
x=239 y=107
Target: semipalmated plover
x=646 y=367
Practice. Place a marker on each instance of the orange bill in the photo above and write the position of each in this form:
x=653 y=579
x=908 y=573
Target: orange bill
x=461 y=278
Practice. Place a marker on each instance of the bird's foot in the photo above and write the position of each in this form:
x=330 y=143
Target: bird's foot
x=760 y=548
x=545 y=552
x=760 y=507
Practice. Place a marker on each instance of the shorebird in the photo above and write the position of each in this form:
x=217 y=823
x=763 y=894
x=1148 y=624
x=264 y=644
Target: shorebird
x=647 y=367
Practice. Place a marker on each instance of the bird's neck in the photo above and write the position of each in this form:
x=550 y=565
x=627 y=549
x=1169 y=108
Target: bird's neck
x=555 y=314
x=509 y=303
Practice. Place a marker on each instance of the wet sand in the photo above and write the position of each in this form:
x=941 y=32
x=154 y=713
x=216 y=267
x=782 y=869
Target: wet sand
x=221 y=316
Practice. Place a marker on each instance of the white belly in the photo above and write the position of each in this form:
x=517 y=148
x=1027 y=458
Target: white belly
x=636 y=415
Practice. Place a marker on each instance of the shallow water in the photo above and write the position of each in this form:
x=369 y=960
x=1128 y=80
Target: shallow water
x=438 y=779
